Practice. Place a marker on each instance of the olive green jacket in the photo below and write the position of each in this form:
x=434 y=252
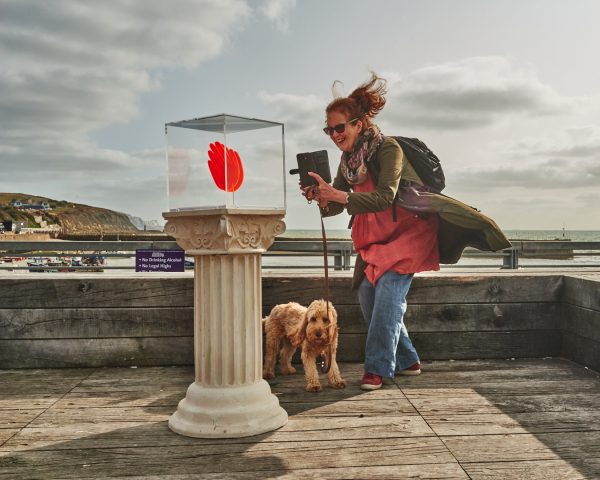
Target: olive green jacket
x=460 y=225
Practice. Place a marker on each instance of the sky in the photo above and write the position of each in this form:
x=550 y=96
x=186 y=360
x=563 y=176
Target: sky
x=507 y=94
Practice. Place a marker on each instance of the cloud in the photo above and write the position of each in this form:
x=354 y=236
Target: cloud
x=298 y=112
x=546 y=175
x=561 y=173
x=116 y=33
x=278 y=12
x=471 y=93
x=69 y=68
x=572 y=143
x=564 y=160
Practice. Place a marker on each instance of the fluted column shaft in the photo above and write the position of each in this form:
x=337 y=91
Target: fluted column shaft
x=228 y=343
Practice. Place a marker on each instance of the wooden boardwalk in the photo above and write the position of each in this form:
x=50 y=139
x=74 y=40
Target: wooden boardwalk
x=487 y=419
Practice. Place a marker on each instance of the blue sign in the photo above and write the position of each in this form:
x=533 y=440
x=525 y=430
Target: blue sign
x=159 y=260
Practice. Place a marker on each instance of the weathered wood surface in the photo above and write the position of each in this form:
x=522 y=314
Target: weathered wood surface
x=177 y=291
x=38 y=323
x=41 y=323
x=112 y=320
x=458 y=420
x=96 y=352
x=100 y=291
x=580 y=319
x=582 y=350
x=460 y=317
x=533 y=470
x=150 y=351
x=469 y=288
x=582 y=290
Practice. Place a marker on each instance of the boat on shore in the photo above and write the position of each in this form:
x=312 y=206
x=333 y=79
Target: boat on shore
x=86 y=263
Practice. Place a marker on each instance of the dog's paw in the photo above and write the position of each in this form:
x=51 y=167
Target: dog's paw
x=313 y=387
x=268 y=375
x=338 y=384
x=288 y=371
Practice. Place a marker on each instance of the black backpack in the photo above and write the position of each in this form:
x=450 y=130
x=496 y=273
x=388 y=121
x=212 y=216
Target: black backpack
x=424 y=161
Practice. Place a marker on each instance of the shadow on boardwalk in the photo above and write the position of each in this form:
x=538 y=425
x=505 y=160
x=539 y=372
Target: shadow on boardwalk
x=469 y=419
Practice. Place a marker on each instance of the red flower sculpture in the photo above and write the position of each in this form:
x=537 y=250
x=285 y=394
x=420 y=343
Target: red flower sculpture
x=218 y=155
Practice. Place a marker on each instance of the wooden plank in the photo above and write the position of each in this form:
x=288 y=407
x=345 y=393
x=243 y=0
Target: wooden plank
x=232 y=457
x=524 y=447
x=507 y=404
x=461 y=317
x=446 y=471
x=582 y=292
x=436 y=376
x=484 y=370
x=503 y=366
x=160 y=397
x=48 y=381
x=101 y=434
x=580 y=321
x=17 y=418
x=97 y=290
x=531 y=470
x=87 y=291
x=466 y=345
x=6 y=434
x=502 y=423
x=338 y=432
x=508 y=386
x=170 y=375
x=178 y=321
x=73 y=416
x=484 y=288
x=27 y=323
x=364 y=407
x=22 y=401
x=581 y=350
x=98 y=352
x=297 y=394
x=482 y=317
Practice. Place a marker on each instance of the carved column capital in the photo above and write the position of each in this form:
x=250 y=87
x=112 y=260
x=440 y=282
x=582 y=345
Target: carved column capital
x=219 y=232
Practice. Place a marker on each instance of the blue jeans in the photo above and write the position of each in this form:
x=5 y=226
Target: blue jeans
x=388 y=349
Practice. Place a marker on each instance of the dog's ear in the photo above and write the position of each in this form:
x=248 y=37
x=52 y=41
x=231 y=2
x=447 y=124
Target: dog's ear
x=300 y=335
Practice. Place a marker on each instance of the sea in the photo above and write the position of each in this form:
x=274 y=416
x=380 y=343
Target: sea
x=563 y=234
x=278 y=262
x=580 y=259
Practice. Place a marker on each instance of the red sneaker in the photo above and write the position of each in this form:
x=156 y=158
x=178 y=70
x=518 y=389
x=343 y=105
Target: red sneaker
x=412 y=370
x=370 y=381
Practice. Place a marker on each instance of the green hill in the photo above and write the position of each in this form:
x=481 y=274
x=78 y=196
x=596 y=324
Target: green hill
x=71 y=217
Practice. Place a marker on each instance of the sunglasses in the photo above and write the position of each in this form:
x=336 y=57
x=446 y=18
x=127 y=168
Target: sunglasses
x=339 y=128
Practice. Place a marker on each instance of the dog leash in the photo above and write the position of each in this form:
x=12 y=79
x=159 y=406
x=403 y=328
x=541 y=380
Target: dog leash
x=325 y=364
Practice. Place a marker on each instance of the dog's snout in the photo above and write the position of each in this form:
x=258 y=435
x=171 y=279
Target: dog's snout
x=319 y=333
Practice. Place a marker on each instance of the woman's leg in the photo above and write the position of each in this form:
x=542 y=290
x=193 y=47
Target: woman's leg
x=366 y=298
x=388 y=345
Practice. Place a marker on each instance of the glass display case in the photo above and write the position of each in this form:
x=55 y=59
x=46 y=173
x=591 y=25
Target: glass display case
x=225 y=161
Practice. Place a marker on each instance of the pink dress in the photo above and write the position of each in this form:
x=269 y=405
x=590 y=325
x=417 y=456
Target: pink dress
x=408 y=245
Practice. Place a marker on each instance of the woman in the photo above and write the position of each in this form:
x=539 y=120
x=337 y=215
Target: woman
x=389 y=251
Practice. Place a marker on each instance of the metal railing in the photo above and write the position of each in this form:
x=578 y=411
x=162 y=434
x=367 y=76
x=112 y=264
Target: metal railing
x=341 y=251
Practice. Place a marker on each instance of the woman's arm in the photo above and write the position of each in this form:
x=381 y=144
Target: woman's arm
x=332 y=198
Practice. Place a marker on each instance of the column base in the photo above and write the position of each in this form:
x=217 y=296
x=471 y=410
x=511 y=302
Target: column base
x=228 y=412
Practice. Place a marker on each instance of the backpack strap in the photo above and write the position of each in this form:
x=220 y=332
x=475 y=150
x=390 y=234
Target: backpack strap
x=394 y=214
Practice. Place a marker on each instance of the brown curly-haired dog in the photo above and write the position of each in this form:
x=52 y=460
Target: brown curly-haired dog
x=292 y=324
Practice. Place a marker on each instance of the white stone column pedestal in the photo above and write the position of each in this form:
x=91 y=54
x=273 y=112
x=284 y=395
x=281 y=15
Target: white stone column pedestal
x=228 y=398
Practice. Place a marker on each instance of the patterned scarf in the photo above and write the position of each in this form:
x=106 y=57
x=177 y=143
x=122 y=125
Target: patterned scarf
x=354 y=164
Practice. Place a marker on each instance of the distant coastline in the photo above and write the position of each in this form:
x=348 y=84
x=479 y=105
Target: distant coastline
x=574 y=235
